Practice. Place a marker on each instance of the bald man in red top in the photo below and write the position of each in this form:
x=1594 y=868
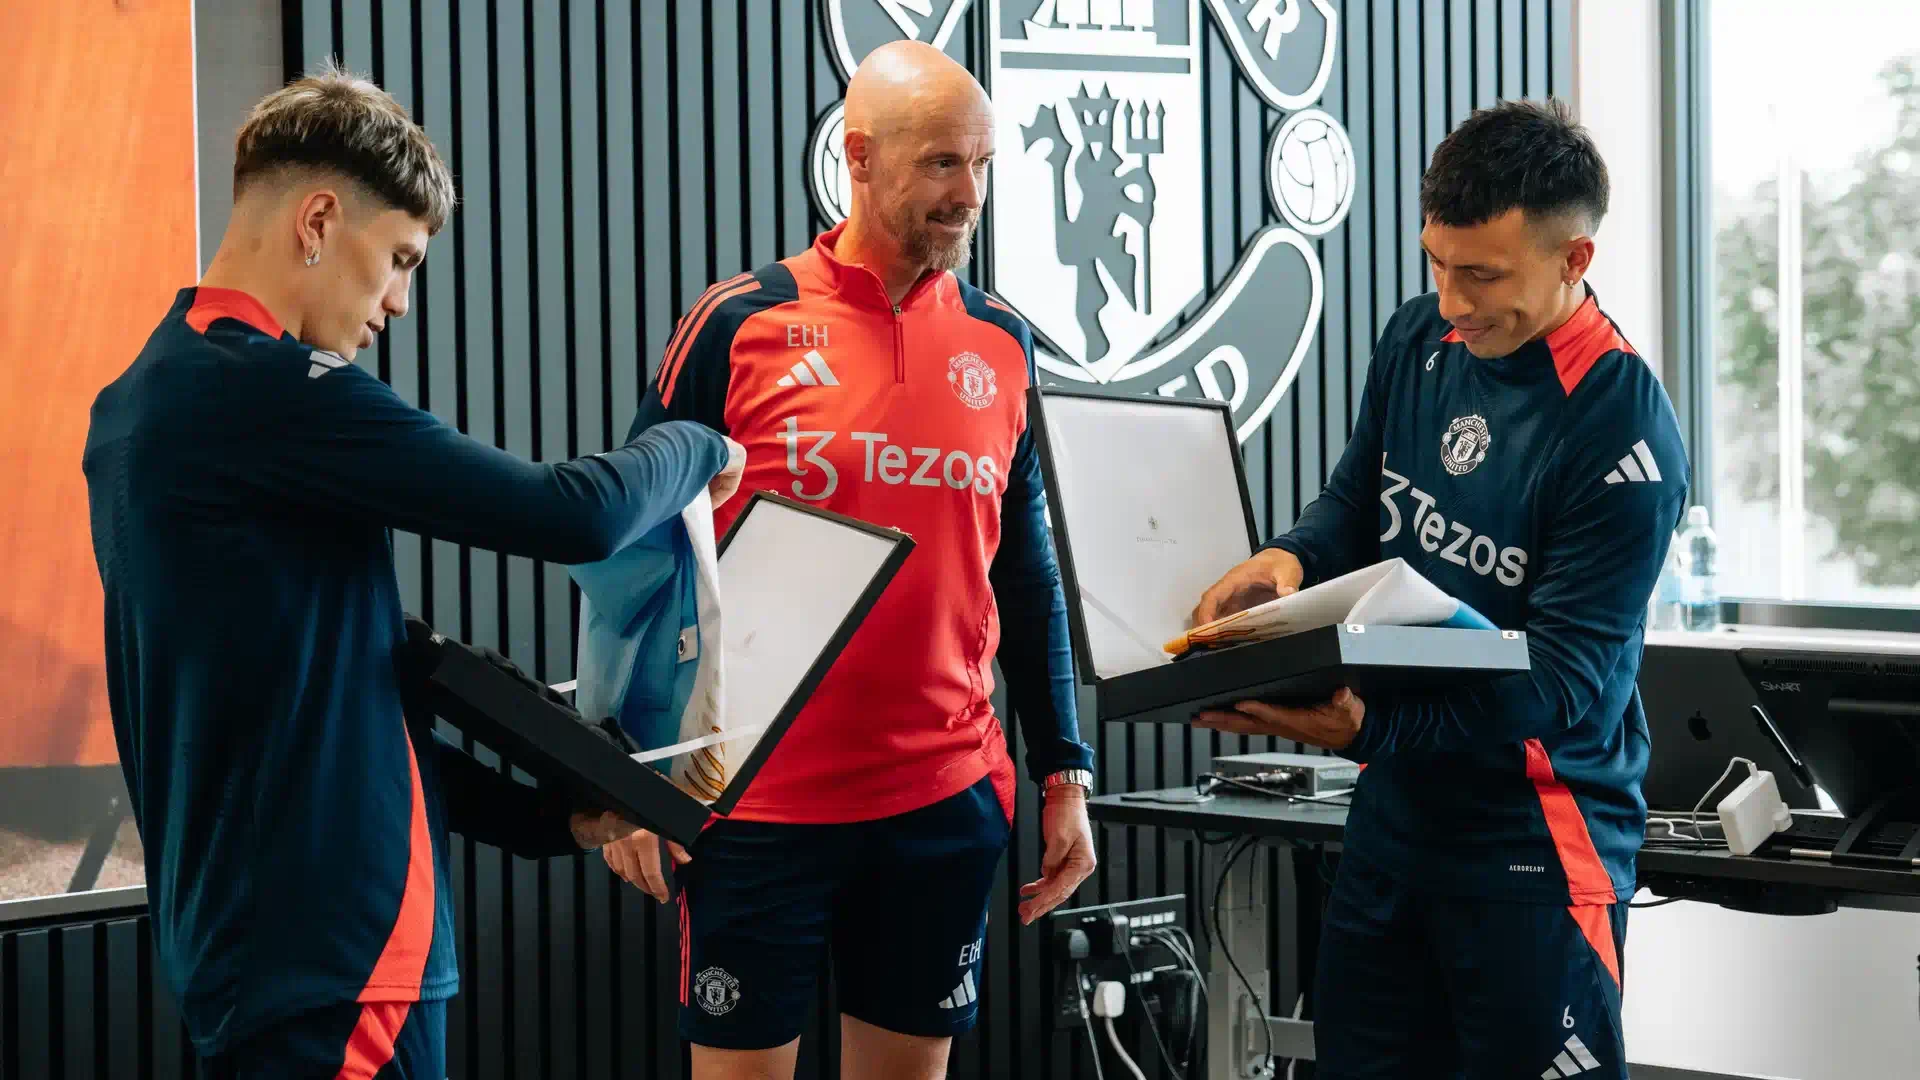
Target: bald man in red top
x=863 y=376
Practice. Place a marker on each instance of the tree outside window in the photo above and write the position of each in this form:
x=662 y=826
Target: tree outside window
x=1814 y=131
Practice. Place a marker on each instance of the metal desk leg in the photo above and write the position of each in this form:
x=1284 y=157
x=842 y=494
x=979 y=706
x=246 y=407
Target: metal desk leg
x=1236 y=1047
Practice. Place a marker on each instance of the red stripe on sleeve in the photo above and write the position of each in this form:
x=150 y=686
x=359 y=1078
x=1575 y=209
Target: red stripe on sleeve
x=1598 y=930
x=686 y=948
x=371 y=1046
x=403 y=961
x=211 y=304
x=689 y=327
x=1580 y=342
x=1587 y=879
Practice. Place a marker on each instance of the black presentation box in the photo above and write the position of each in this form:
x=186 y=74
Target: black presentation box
x=1149 y=506
x=846 y=563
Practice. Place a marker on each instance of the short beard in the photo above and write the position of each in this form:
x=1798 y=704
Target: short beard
x=937 y=253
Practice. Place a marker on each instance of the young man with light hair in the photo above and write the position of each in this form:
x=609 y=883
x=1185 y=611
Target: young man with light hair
x=243 y=475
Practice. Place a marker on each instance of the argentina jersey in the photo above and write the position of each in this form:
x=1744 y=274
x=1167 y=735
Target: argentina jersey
x=1542 y=488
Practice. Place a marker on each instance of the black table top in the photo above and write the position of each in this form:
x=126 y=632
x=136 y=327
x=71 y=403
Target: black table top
x=1273 y=818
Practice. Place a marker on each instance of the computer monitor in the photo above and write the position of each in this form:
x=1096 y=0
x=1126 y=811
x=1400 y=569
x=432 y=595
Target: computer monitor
x=1702 y=712
x=1851 y=718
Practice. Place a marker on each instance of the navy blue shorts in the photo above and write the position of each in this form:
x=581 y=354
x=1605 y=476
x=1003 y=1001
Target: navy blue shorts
x=898 y=904
x=390 y=1040
x=1410 y=984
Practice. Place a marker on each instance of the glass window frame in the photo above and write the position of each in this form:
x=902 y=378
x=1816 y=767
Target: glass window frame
x=1688 y=284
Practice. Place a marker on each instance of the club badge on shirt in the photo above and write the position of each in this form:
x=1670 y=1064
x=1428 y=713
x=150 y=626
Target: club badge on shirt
x=1464 y=446
x=973 y=380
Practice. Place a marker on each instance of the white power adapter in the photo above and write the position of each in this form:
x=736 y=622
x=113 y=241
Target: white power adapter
x=1753 y=813
x=1109 y=999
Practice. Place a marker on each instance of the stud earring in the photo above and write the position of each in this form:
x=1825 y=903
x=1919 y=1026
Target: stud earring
x=312 y=257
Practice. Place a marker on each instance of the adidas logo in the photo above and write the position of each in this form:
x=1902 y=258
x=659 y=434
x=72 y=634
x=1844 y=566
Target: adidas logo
x=1636 y=468
x=1576 y=1059
x=812 y=370
x=323 y=362
x=963 y=995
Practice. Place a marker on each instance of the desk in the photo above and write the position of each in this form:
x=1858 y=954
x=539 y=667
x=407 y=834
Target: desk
x=1802 y=887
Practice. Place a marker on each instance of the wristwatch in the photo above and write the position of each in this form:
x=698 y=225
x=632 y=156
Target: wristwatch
x=1082 y=777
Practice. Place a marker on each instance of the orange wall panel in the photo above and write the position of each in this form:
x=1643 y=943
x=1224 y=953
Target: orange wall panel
x=97 y=231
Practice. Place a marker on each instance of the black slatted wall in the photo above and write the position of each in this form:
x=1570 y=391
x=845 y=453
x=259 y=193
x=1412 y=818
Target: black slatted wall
x=613 y=159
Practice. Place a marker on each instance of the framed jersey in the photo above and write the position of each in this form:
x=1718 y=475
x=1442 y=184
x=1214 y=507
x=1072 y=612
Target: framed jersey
x=796 y=582
x=1149 y=506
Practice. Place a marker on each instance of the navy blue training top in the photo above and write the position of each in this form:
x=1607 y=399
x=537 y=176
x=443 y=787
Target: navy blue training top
x=241 y=487
x=1543 y=489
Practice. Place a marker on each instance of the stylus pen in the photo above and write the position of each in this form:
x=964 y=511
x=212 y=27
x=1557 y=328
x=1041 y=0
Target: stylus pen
x=1780 y=743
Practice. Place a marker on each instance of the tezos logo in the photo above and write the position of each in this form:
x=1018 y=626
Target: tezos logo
x=883 y=461
x=1469 y=548
x=1100 y=213
x=972 y=379
x=1464 y=446
x=716 y=991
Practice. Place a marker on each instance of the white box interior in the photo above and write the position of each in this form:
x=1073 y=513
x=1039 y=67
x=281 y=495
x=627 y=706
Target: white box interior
x=1152 y=505
x=788 y=579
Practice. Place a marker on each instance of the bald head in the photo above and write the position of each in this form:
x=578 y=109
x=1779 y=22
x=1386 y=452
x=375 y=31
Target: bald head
x=904 y=82
x=919 y=137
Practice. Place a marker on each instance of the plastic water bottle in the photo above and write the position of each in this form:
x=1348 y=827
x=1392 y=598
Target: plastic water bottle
x=1663 y=610
x=1699 y=591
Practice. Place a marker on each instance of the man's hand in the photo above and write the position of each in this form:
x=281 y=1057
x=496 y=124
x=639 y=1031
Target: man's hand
x=1331 y=726
x=1068 y=858
x=598 y=830
x=1269 y=574
x=727 y=480
x=637 y=859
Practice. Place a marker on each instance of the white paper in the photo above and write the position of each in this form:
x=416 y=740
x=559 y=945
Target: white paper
x=709 y=764
x=1389 y=593
x=790 y=579
x=1404 y=597
x=700 y=743
x=1152 y=506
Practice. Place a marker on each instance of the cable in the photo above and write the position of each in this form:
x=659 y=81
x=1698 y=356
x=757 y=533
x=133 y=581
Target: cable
x=1176 y=940
x=1086 y=1017
x=1220 y=937
x=1674 y=822
x=1299 y=1006
x=1127 y=955
x=1335 y=798
x=1114 y=1038
x=1659 y=903
x=1752 y=770
x=1171 y=938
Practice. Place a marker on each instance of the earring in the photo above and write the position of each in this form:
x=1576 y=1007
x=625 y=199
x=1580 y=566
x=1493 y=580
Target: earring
x=312 y=257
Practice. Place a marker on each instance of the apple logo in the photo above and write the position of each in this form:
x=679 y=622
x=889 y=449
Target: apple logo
x=1697 y=726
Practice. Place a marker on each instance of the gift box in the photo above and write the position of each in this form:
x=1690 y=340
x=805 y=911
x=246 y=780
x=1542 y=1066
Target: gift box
x=795 y=583
x=1149 y=506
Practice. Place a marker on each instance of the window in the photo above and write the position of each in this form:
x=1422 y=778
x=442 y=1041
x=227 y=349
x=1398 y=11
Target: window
x=1812 y=221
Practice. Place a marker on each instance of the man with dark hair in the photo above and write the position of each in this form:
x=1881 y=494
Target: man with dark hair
x=1513 y=448
x=242 y=476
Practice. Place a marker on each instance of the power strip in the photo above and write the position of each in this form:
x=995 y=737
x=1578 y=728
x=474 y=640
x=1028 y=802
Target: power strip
x=1095 y=940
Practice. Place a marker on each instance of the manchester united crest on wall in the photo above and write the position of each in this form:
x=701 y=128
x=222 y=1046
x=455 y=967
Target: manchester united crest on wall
x=1097 y=190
